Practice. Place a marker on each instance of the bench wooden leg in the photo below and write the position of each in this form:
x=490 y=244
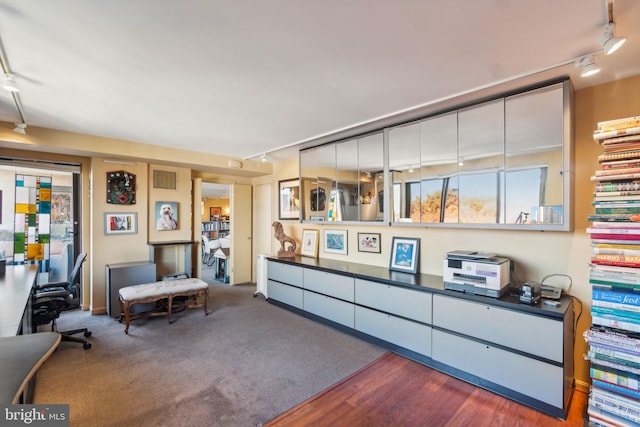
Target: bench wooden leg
x=206 y=300
x=170 y=307
x=127 y=316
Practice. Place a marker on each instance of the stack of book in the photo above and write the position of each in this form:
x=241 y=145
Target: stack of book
x=614 y=335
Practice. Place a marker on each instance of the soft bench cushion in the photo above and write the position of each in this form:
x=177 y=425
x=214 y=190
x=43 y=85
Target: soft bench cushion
x=164 y=287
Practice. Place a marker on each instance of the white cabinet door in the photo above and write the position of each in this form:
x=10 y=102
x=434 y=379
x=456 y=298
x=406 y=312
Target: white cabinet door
x=529 y=333
x=531 y=377
x=285 y=293
x=405 y=333
x=329 y=308
x=335 y=285
x=285 y=273
x=395 y=300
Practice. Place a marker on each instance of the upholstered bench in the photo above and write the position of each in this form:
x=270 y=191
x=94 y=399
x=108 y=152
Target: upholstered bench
x=153 y=292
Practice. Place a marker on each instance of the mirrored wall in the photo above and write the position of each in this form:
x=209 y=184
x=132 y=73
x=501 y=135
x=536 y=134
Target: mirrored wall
x=503 y=163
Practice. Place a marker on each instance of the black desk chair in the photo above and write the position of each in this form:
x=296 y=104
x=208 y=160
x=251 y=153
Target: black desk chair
x=51 y=299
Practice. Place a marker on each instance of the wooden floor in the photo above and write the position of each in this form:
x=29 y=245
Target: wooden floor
x=395 y=391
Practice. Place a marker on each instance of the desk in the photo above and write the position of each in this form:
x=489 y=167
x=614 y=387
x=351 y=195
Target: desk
x=15 y=291
x=20 y=358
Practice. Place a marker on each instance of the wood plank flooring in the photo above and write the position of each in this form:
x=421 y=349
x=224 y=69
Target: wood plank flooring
x=395 y=391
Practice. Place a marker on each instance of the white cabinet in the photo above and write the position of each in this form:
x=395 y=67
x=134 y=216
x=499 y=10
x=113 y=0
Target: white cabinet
x=285 y=273
x=531 y=377
x=336 y=285
x=405 y=333
x=531 y=334
x=403 y=302
x=330 y=308
x=285 y=293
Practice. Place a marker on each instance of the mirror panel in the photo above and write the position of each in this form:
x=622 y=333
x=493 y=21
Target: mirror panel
x=404 y=169
x=371 y=174
x=534 y=157
x=481 y=161
x=439 y=168
x=345 y=193
x=317 y=177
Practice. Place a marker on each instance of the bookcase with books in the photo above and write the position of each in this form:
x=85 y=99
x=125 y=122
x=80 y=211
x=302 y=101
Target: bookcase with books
x=614 y=335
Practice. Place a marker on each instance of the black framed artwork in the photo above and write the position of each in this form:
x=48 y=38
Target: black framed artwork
x=121 y=188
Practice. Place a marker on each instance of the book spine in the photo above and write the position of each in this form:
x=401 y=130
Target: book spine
x=617 y=388
x=616 y=323
x=616 y=177
x=614 y=236
x=601 y=358
x=601 y=418
x=628 y=298
x=616 y=263
x=613 y=340
x=614 y=378
x=613 y=230
x=617 y=258
x=630 y=154
x=632 y=210
x=613 y=313
x=608 y=285
x=618 y=186
x=620 y=164
x=615 y=124
x=612 y=405
x=617 y=171
x=626 y=366
x=615 y=251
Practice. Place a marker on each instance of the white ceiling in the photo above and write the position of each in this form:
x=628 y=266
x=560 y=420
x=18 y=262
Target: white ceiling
x=240 y=77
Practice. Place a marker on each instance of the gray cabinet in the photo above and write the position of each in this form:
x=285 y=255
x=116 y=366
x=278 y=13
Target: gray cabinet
x=403 y=302
x=287 y=294
x=127 y=274
x=531 y=377
x=405 y=333
x=336 y=285
x=330 y=308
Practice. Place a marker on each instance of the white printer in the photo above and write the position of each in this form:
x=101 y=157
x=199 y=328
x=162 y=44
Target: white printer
x=476 y=273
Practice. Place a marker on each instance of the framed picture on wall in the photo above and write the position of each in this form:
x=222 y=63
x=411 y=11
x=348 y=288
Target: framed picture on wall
x=215 y=214
x=166 y=216
x=404 y=254
x=310 y=243
x=289 y=199
x=120 y=223
x=369 y=242
x=335 y=241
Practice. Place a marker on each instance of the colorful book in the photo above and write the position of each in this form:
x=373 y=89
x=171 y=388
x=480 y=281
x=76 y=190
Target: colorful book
x=614 y=376
x=617 y=258
x=632 y=197
x=616 y=251
x=594 y=355
x=617 y=314
x=596 y=178
x=631 y=154
x=620 y=164
x=616 y=263
x=618 y=186
x=616 y=388
x=615 y=403
x=624 y=298
x=599 y=417
x=617 y=171
x=615 y=323
x=613 y=286
x=614 y=124
x=614 y=230
x=614 y=218
x=624 y=340
x=614 y=236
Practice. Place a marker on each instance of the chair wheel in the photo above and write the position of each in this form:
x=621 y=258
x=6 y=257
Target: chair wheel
x=86 y=345
x=87 y=334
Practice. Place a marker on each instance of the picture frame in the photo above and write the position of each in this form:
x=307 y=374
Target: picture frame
x=215 y=213
x=404 y=254
x=120 y=223
x=310 y=243
x=369 y=242
x=335 y=242
x=166 y=216
x=289 y=199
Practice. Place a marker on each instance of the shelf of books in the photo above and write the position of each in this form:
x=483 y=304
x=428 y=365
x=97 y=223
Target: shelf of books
x=614 y=335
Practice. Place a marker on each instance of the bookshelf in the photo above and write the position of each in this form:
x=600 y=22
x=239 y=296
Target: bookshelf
x=215 y=229
x=614 y=335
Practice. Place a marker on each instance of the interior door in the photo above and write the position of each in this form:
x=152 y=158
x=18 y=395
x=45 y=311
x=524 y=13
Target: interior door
x=241 y=254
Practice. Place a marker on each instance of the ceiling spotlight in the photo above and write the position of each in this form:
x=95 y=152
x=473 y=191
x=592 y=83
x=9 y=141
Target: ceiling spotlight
x=610 y=43
x=20 y=128
x=10 y=83
x=589 y=68
x=263 y=158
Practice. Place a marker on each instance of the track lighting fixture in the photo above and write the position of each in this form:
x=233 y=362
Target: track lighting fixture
x=20 y=128
x=263 y=158
x=610 y=43
x=10 y=83
x=589 y=68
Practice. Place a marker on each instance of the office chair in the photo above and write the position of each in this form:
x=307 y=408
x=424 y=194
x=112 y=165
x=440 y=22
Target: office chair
x=51 y=299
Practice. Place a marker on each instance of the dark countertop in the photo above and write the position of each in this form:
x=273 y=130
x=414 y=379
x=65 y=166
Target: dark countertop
x=423 y=282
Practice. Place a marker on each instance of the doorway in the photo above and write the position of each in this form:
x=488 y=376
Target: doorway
x=216 y=231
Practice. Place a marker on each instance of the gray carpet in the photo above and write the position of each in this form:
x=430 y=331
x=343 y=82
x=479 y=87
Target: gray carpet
x=242 y=365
